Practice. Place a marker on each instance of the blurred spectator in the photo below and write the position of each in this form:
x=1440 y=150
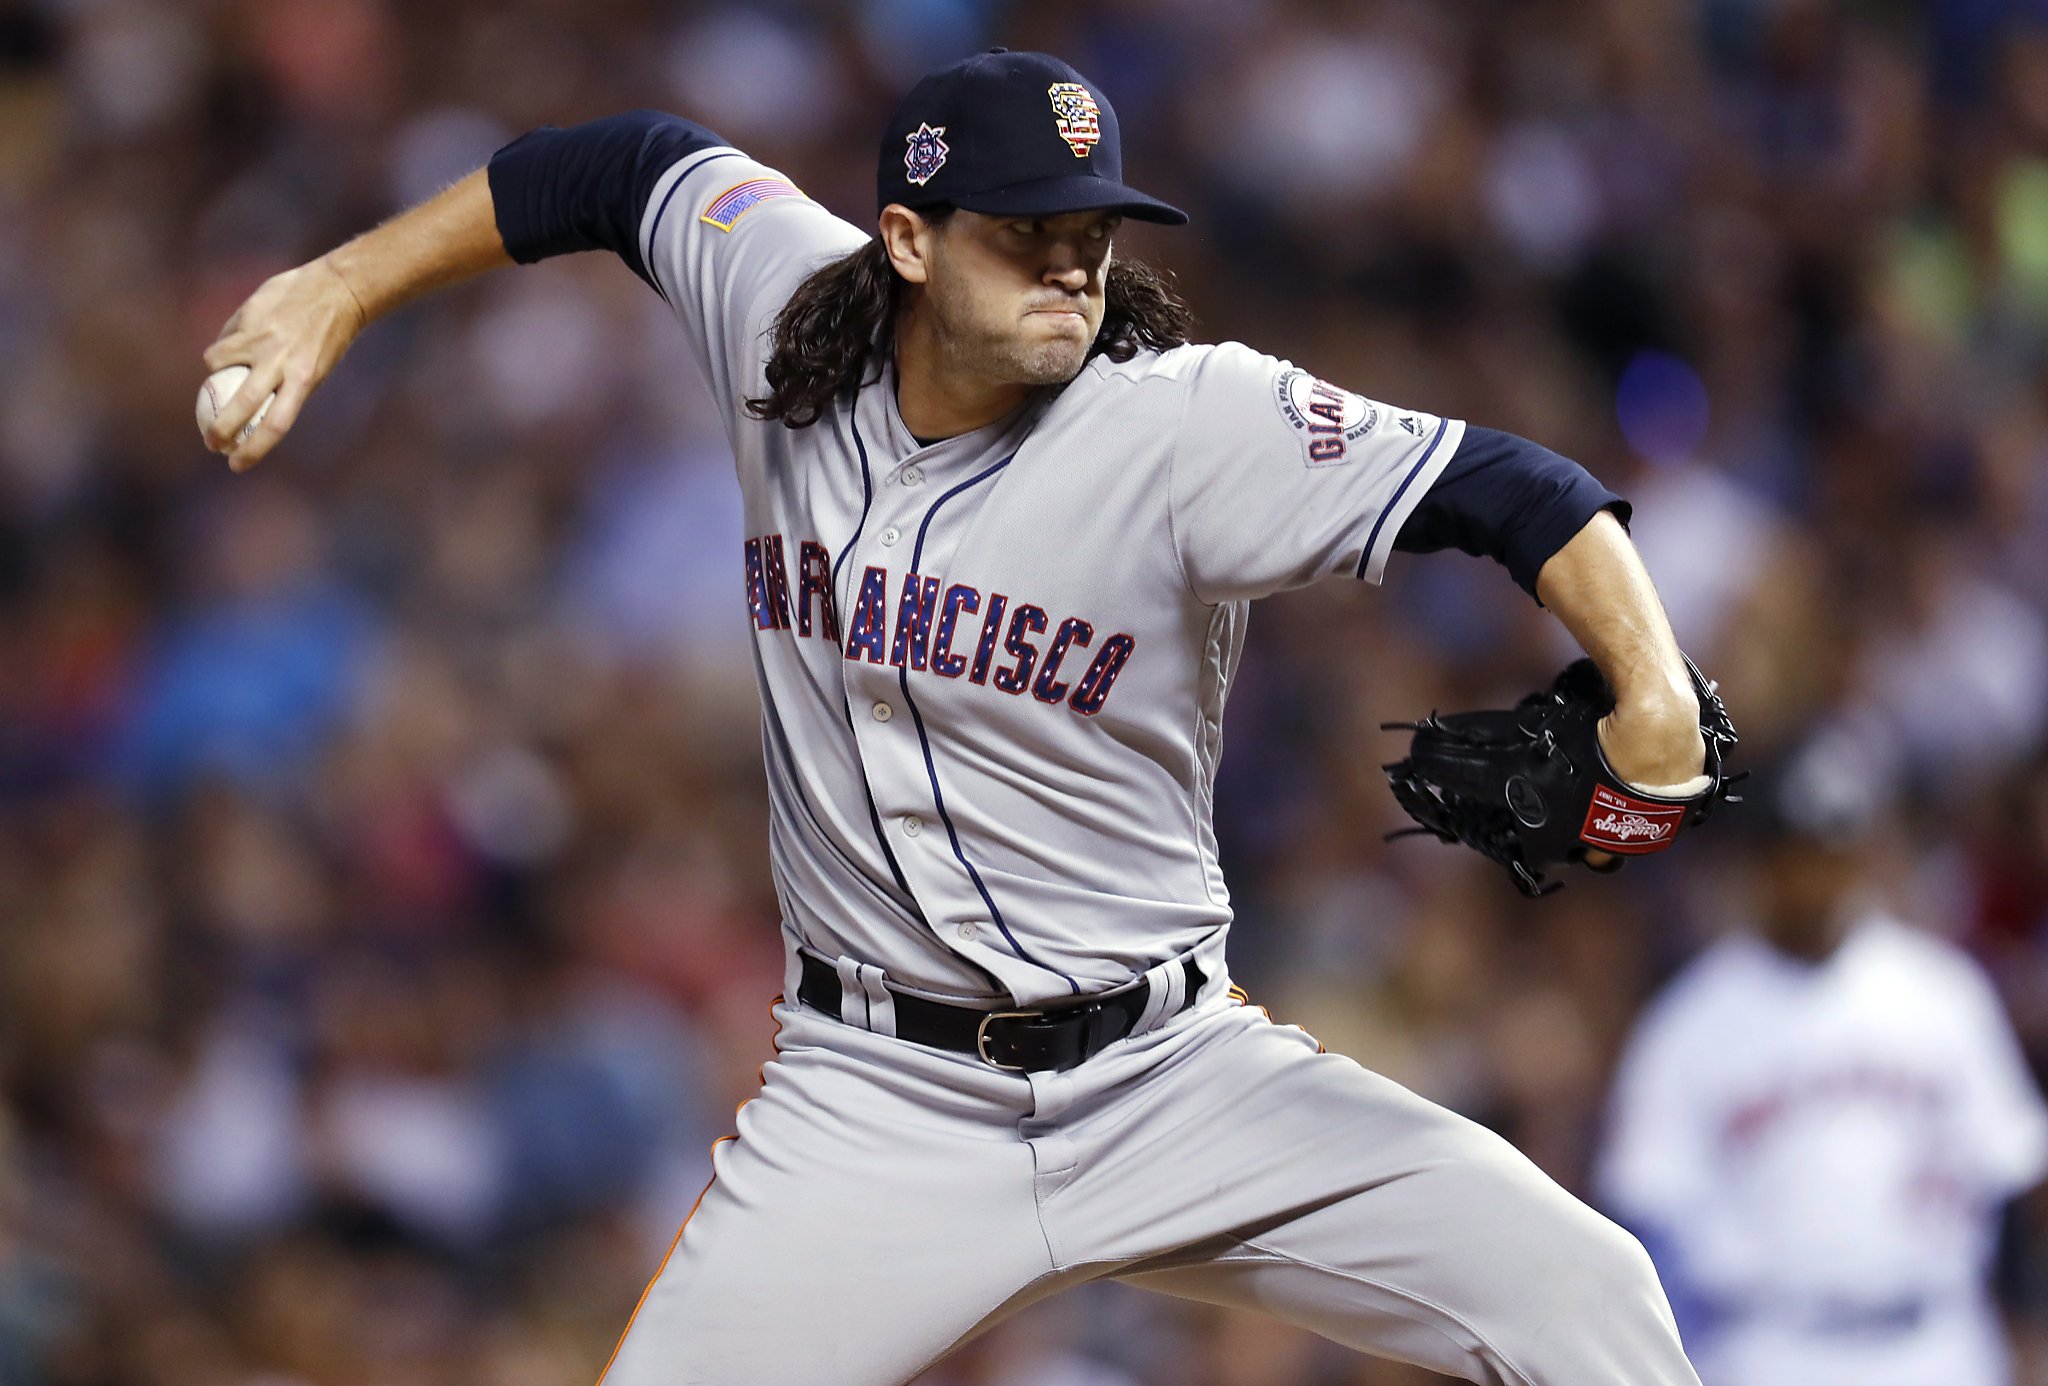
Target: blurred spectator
x=250 y=679
x=1817 y=1126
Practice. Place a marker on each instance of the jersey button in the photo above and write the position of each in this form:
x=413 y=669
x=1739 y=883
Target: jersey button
x=967 y=931
x=913 y=476
x=912 y=825
x=883 y=712
x=891 y=535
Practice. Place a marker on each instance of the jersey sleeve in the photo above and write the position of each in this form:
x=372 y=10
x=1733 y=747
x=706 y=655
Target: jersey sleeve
x=725 y=240
x=2002 y=1119
x=1508 y=499
x=556 y=191
x=1653 y=1168
x=1279 y=478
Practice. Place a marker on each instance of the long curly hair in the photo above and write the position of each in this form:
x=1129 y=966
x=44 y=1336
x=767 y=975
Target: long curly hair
x=840 y=326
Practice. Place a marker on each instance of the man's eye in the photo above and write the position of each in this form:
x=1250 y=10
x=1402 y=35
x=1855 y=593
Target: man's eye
x=1027 y=228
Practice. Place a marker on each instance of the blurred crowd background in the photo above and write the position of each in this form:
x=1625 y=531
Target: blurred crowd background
x=385 y=924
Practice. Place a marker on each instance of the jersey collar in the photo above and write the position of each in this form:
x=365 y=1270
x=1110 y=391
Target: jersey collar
x=1000 y=438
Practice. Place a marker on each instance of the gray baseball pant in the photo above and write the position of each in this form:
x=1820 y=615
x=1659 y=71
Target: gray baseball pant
x=884 y=1201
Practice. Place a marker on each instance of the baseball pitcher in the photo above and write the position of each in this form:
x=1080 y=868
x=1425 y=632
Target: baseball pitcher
x=1003 y=526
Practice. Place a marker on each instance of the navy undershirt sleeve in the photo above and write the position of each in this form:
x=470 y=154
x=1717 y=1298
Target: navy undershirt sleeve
x=555 y=191
x=1508 y=499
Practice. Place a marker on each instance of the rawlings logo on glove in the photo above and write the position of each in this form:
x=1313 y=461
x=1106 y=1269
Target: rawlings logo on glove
x=1618 y=823
x=1529 y=786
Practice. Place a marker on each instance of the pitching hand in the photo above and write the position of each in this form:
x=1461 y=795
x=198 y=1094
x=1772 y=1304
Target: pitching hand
x=290 y=333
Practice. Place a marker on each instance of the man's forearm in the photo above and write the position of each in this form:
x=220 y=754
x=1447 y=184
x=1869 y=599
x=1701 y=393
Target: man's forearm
x=297 y=326
x=1524 y=505
x=1597 y=586
x=547 y=193
x=448 y=238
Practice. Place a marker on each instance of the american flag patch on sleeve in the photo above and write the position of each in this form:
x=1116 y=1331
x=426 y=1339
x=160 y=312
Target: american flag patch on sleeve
x=742 y=198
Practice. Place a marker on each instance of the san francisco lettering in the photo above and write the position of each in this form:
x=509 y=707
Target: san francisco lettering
x=927 y=626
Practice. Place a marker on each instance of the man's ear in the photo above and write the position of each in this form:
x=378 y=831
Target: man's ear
x=907 y=237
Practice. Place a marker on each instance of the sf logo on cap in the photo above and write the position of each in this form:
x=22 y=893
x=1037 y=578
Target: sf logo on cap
x=1080 y=118
x=927 y=153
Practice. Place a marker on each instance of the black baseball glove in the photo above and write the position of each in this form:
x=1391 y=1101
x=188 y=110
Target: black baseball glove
x=1530 y=787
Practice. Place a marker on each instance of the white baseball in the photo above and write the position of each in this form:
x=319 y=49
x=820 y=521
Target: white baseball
x=214 y=395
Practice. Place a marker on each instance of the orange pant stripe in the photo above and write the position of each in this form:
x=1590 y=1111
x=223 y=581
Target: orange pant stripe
x=678 y=1239
x=1243 y=998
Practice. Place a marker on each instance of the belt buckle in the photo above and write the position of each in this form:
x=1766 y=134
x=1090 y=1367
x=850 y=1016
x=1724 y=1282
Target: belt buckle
x=981 y=1037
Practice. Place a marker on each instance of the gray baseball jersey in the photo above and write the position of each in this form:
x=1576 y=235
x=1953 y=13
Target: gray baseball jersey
x=993 y=669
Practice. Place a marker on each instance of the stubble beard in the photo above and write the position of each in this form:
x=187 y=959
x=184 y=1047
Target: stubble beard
x=1046 y=363
x=987 y=350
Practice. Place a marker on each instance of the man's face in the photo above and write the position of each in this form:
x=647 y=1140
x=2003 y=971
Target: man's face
x=1805 y=888
x=1018 y=300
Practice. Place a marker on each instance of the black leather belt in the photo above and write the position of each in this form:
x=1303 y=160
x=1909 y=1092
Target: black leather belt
x=1021 y=1041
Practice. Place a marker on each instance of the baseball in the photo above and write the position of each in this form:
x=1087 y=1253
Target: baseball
x=219 y=388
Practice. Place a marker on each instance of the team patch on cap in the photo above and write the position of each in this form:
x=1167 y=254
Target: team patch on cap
x=1079 y=117
x=1328 y=419
x=742 y=198
x=927 y=153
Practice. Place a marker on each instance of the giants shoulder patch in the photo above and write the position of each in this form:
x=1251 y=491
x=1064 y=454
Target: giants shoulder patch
x=742 y=198
x=1079 y=117
x=1328 y=419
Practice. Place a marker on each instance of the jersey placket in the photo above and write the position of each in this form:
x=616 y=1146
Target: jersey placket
x=916 y=500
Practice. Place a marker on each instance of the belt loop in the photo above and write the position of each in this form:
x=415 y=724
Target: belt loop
x=792 y=971
x=881 y=1001
x=1208 y=956
x=1166 y=988
x=853 y=997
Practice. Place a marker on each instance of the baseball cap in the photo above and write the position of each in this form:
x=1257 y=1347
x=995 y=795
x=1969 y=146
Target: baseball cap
x=1833 y=790
x=1009 y=134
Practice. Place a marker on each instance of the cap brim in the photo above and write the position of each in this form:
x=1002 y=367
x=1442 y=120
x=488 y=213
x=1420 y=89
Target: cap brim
x=1079 y=193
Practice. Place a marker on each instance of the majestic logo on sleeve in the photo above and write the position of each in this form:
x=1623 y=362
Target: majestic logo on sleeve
x=927 y=153
x=1328 y=419
x=1079 y=117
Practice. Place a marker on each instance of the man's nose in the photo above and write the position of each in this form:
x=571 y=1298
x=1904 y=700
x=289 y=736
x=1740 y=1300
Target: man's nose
x=1066 y=268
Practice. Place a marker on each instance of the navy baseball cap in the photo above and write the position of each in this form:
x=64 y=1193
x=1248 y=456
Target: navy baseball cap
x=1009 y=134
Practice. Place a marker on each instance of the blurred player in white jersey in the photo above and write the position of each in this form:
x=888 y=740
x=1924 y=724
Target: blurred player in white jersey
x=1818 y=1124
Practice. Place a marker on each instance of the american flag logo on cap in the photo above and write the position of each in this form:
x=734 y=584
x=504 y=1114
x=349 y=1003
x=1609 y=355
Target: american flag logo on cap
x=1079 y=117
x=927 y=153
